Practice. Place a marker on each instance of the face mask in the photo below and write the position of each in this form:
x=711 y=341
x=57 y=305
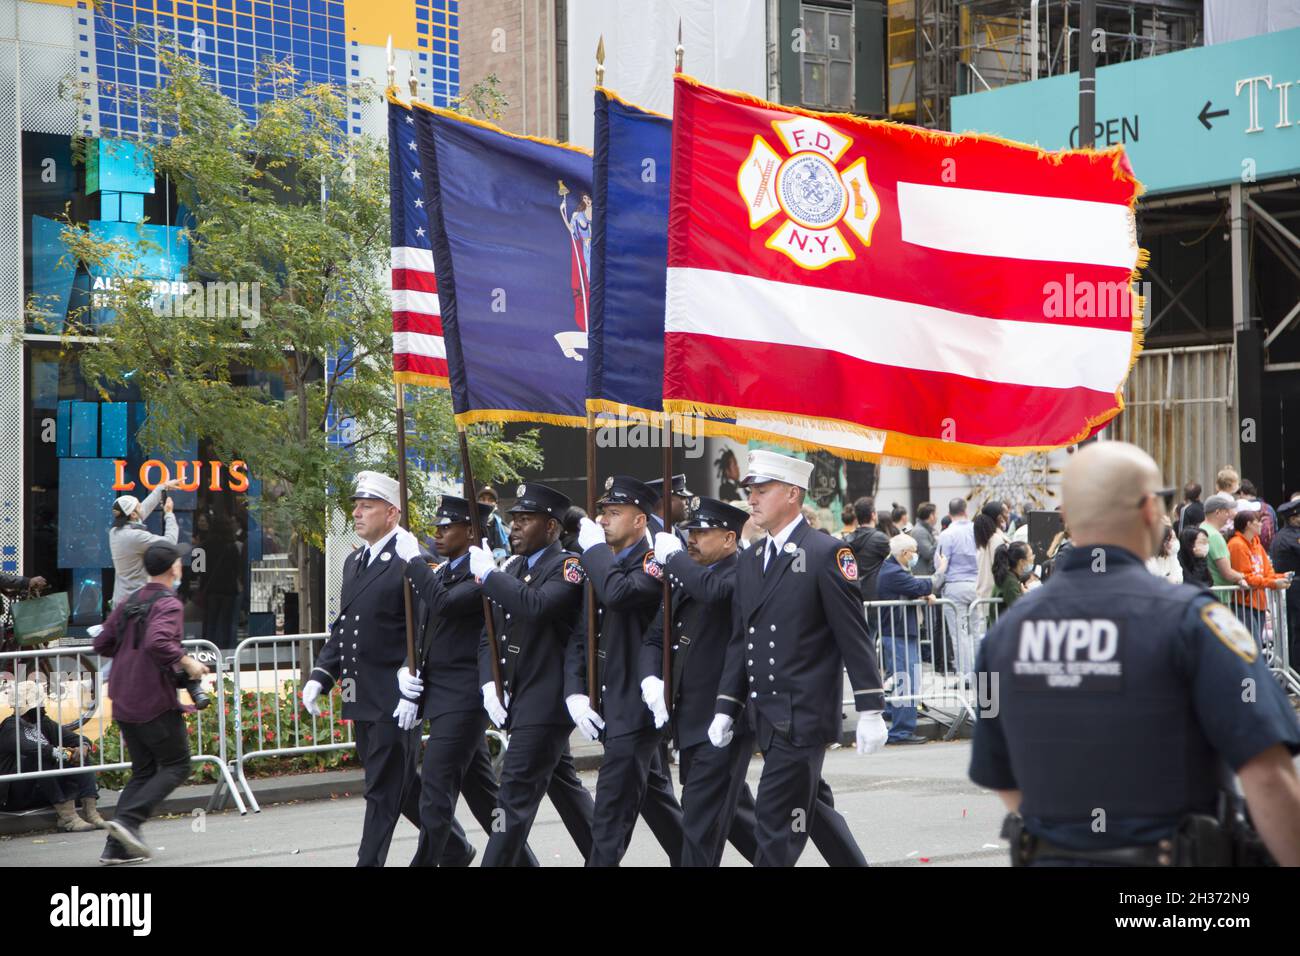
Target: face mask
x=1201 y=550
x=1174 y=547
x=913 y=561
x=1227 y=525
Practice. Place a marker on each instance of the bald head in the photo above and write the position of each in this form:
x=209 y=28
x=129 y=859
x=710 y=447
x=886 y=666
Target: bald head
x=1108 y=496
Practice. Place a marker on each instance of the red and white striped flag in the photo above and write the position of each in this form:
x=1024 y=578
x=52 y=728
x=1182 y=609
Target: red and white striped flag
x=966 y=295
x=419 y=351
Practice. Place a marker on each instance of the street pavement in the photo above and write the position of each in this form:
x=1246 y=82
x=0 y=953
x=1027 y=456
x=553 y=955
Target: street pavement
x=907 y=806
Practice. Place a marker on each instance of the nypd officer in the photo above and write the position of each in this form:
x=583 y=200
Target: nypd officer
x=628 y=585
x=535 y=599
x=446 y=689
x=366 y=646
x=798 y=624
x=1110 y=700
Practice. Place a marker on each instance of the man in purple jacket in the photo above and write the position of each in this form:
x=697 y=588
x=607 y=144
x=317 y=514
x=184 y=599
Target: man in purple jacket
x=143 y=637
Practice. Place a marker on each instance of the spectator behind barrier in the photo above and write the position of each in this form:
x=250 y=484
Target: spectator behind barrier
x=31 y=741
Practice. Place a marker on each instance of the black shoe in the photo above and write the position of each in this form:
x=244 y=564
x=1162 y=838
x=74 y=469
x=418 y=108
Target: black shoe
x=466 y=861
x=130 y=839
x=115 y=854
x=908 y=739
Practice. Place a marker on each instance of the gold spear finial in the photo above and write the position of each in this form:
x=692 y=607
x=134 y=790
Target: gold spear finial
x=600 y=61
x=681 y=50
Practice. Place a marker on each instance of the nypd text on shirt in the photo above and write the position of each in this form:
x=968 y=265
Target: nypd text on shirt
x=1077 y=653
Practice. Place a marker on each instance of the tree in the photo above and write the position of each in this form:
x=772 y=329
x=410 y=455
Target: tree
x=289 y=204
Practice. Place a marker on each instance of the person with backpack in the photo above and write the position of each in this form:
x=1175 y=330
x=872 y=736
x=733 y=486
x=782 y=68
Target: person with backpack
x=143 y=638
x=870 y=547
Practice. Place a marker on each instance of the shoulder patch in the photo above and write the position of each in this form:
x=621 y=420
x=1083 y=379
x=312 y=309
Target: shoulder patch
x=1227 y=627
x=847 y=564
x=573 y=570
x=652 y=567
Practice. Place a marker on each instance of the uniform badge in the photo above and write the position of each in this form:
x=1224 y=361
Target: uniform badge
x=1228 y=628
x=848 y=565
x=385 y=557
x=519 y=492
x=572 y=571
x=652 y=567
x=789 y=547
x=609 y=482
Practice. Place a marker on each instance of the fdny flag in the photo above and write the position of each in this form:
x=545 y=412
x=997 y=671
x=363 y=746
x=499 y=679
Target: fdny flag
x=965 y=295
x=625 y=364
x=511 y=223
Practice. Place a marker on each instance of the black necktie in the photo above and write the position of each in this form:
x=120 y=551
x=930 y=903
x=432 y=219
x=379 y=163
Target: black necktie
x=365 y=561
x=770 y=557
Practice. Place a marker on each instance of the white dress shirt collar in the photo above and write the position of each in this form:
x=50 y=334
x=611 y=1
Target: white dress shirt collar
x=379 y=546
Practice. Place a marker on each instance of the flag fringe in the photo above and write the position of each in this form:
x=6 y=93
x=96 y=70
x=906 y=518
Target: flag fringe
x=610 y=94
x=418 y=378
x=1112 y=154
x=503 y=415
x=484 y=124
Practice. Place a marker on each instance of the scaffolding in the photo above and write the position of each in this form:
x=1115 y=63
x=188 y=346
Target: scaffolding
x=939 y=49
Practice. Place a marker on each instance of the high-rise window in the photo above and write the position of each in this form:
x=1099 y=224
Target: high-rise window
x=826 y=60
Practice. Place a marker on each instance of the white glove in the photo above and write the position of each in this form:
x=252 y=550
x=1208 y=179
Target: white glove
x=496 y=710
x=406 y=545
x=590 y=534
x=310 y=691
x=652 y=692
x=407 y=714
x=481 y=563
x=666 y=545
x=872 y=732
x=588 y=721
x=408 y=685
x=720 y=732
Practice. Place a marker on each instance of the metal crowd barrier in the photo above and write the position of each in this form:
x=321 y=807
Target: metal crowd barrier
x=928 y=672
x=72 y=686
x=1268 y=625
x=278 y=656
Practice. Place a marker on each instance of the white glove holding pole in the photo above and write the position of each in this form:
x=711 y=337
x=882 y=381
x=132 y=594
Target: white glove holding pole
x=310 y=692
x=652 y=692
x=588 y=721
x=410 y=684
x=496 y=709
x=590 y=534
x=872 y=732
x=481 y=562
x=406 y=545
x=407 y=714
x=720 y=732
x=666 y=545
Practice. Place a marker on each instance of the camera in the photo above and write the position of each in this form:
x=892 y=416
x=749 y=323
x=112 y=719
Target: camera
x=193 y=687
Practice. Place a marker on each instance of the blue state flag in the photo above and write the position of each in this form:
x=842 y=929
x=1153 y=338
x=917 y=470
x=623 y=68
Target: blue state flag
x=511 y=222
x=629 y=274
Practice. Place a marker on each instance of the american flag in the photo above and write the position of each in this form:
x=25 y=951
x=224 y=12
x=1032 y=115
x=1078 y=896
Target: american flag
x=419 y=351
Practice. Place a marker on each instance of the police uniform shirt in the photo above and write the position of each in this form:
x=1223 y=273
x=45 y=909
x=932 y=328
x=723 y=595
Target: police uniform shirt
x=1285 y=553
x=1114 y=692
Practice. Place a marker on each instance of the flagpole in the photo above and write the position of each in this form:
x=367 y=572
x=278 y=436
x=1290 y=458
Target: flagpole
x=476 y=535
x=591 y=479
x=405 y=521
x=666 y=505
x=591 y=588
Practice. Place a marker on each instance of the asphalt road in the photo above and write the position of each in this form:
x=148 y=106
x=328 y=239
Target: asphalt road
x=907 y=806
